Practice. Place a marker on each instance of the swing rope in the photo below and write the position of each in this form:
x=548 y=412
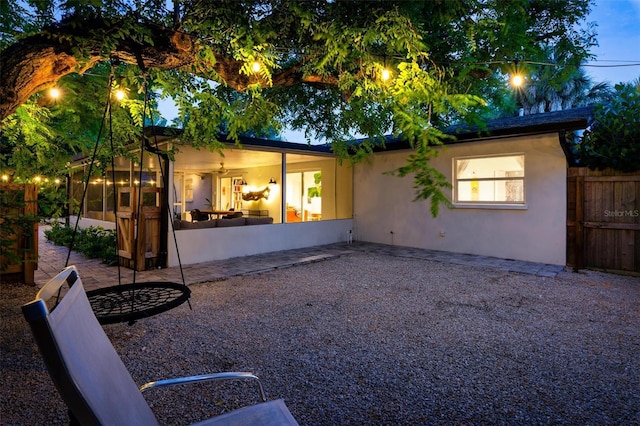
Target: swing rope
x=142 y=299
x=107 y=108
x=157 y=151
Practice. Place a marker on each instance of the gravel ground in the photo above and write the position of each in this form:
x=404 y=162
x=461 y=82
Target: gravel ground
x=372 y=339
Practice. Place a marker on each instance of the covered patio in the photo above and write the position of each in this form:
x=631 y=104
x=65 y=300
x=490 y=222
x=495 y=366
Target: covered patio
x=302 y=192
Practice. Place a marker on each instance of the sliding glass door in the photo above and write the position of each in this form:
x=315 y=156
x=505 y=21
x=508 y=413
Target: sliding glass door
x=304 y=196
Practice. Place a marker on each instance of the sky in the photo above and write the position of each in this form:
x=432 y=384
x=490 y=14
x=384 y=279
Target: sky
x=618 y=44
x=618 y=38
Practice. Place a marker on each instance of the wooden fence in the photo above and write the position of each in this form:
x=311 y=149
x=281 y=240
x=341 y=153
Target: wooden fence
x=603 y=220
x=18 y=214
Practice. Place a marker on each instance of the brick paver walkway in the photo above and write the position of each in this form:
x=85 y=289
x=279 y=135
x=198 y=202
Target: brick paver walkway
x=96 y=274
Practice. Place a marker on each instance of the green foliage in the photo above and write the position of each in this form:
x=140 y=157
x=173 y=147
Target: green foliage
x=447 y=60
x=315 y=191
x=93 y=242
x=59 y=235
x=428 y=182
x=52 y=201
x=42 y=136
x=614 y=138
x=562 y=86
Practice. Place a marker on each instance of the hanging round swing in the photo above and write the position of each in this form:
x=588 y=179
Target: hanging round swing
x=132 y=301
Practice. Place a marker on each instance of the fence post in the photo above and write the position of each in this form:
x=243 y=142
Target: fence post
x=579 y=253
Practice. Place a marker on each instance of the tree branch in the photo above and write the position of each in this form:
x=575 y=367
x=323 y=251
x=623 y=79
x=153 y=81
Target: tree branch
x=38 y=62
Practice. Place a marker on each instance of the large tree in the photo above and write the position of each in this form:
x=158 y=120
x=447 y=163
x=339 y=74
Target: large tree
x=613 y=139
x=320 y=63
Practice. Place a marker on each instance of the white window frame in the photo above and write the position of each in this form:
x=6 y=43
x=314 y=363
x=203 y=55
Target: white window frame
x=507 y=205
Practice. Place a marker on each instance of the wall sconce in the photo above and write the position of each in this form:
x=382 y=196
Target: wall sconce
x=272 y=181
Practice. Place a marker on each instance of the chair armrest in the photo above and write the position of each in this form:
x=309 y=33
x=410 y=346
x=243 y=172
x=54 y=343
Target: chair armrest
x=205 y=378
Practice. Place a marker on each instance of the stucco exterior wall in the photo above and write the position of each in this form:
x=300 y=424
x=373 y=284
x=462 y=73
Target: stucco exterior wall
x=385 y=213
x=204 y=245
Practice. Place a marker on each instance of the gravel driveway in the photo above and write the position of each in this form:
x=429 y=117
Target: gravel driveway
x=369 y=339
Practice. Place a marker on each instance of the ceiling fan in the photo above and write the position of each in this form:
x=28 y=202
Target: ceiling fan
x=222 y=171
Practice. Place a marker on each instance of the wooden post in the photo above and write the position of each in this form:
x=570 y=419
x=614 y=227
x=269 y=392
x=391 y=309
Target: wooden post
x=579 y=253
x=23 y=244
x=31 y=241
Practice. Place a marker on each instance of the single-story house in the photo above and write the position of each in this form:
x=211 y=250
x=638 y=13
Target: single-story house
x=508 y=191
x=508 y=194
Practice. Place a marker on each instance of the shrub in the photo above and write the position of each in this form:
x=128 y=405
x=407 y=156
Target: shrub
x=614 y=139
x=93 y=242
x=59 y=235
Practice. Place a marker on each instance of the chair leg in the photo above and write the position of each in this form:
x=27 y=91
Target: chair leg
x=72 y=419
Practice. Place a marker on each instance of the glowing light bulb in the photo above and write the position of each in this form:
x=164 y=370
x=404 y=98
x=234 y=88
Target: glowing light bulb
x=256 y=66
x=386 y=75
x=5 y=178
x=517 y=80
x=54 y=93
x=120 y=94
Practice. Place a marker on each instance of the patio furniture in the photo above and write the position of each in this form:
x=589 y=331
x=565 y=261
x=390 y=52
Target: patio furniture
x=222 y=223
x=197 y=215
x=233 y=215
x=216 y=213
x=91 y=378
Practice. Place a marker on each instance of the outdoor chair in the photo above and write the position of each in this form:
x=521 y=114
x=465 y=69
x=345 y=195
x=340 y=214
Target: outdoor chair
x=91 y=378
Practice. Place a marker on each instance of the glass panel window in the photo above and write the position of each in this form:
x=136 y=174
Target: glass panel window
x=122 y=179
x=95 y=198
x=77 y=188
x=489 y=180
x=304 y=196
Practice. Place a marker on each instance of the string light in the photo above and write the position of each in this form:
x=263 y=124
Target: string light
x=255 y=67
x=517 y=80
x=54 y=93
x=386 y=75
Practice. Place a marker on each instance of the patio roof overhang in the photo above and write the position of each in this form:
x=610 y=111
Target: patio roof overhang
x=234 y=156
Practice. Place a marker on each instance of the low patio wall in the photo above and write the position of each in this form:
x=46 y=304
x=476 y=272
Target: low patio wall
x=204 y=245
